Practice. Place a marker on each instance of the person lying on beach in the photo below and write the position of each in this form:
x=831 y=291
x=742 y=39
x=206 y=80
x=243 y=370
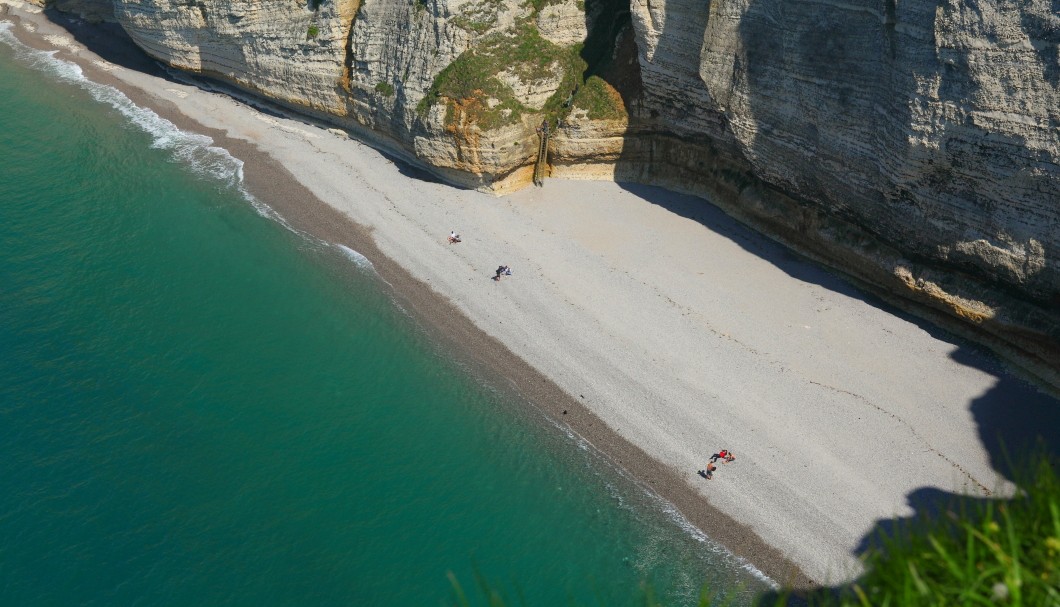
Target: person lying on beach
x=453 y=237
x=709 y=472
x=500 y=272
x=723 y=455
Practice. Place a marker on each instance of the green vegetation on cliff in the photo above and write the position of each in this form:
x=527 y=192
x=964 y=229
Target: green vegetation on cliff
x=477 y=17
x=472 y=81
x=537 y=5
x=384 y=88
x=600 y=99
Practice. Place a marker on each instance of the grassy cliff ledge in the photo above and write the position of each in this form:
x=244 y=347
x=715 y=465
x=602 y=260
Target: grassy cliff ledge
x=507 y=75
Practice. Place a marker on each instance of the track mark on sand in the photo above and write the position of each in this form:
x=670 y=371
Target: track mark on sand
x=911 y=430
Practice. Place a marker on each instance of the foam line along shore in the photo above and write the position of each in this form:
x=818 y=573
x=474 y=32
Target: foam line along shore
x=195 y=397
x=321 y=224
x=647 y=322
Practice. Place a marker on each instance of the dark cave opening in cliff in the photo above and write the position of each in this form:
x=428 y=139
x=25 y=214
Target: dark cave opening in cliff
x=610 y=50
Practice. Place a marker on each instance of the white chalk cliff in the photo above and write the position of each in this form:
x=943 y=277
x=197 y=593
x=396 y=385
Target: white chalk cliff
x=914 y=145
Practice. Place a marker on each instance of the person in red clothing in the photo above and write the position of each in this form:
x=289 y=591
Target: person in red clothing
x=724 y=454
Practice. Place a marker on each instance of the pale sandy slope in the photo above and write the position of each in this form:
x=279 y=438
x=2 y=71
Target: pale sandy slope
x=683 y=339
x=684 y=332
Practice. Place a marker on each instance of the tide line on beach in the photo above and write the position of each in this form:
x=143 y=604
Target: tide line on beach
x=648 y=322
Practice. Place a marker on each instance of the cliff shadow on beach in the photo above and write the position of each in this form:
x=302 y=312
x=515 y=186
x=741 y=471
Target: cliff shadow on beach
x=1011 y=417
x=1014 y=418
x=108 y=40
x=813 y=85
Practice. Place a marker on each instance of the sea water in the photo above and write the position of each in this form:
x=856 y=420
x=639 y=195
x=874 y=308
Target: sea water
x=199 y=406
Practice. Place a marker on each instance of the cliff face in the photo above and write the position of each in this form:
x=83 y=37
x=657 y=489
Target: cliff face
x=281 y=50
x=914 y=145
x=934 y=125
x=93 y=11
x=456 y=84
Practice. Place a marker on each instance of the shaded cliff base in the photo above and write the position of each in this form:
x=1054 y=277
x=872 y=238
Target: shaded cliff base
x=1024 y=333
x=490 y=359
x=743 y=399
x=487 y=357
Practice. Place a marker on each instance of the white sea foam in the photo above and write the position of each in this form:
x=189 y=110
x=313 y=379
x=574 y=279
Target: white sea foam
x=195 y=151
x=691 y=530
x=359 y=260
x=687 y=527
x=662 y=505
x=711 y=545
x=198 y=152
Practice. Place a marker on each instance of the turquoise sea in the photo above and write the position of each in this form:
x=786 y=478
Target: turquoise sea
x=199 y=406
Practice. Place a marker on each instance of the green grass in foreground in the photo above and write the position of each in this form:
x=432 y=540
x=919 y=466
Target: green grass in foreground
x=1003 y=552
x=982 y=552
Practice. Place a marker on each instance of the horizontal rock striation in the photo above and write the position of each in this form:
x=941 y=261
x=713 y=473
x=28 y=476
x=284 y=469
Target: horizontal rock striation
x=913 y=145
x=426 y=79
x=282 y=50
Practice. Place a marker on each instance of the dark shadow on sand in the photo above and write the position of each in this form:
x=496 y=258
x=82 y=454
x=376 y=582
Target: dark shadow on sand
x=113 y=44
x=1014 y=418
x=702 y=211
x=1011 y=416
x=109 y=41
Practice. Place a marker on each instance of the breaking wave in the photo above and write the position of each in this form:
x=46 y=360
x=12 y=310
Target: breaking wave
x=197 y=152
